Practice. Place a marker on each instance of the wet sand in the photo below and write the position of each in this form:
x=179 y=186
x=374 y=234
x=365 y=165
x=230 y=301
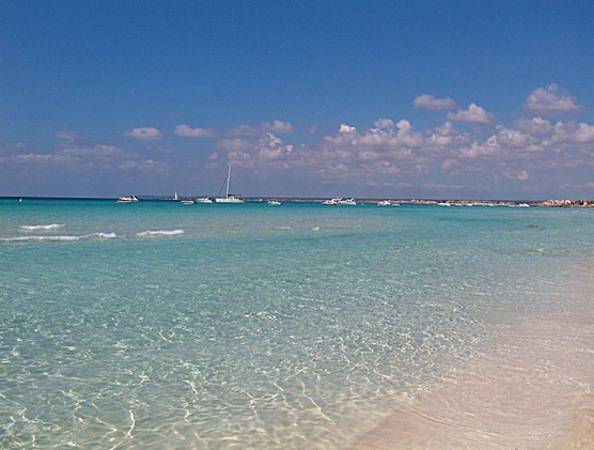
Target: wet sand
x=532 y=389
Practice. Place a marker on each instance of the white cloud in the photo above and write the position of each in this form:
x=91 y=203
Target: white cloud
x=478 y=150
x=389 y=152
x=147 y=165
x=446 y=135
x=551 y=99
x=384 y=123
x=66 y=135
x=535 y=126
x=426 y=101
x=144 y=134
x=89 y=158
x=187 y=131
x=271 y=148
x=520 y=175
x=234 y=145
x=99 y=150
x=512 y=138
x=278 y=126
x=584 y=133
x=473 y=114
x=74 y=154
x=35 y=157
x=346 y=129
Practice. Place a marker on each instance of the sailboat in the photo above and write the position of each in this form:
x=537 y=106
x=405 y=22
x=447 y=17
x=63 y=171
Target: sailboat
x=175 y=197
x=228 y=198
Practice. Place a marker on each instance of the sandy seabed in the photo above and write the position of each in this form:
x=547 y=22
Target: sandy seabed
x=532 y=389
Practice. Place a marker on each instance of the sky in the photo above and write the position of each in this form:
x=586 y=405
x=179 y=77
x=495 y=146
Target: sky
x=427 y=99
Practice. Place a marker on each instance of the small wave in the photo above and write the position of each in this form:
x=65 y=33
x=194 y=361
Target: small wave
x=64 y=238
x=158 y=233
x=283 y=228
x=51 y=226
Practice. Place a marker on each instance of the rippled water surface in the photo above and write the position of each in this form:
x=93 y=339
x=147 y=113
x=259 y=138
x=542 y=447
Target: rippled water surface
x=249 y=326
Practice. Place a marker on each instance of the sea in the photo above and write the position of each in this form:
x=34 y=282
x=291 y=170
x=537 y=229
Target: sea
x=301 y=326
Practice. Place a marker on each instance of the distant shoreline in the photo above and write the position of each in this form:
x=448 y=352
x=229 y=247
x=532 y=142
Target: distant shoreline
x=548 y=203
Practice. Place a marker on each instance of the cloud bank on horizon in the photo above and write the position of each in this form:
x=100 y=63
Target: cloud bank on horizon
x=469 y=152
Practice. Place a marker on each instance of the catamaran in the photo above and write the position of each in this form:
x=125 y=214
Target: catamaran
x=228 y=198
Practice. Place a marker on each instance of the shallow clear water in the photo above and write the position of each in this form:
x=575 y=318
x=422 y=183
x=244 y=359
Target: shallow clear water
x=298 y=326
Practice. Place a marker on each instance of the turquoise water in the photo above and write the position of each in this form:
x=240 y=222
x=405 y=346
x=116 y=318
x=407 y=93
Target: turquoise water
x=249 y=326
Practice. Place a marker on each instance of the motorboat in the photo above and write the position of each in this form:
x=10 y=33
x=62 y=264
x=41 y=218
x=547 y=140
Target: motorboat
x=274 y=203
x=127 y=199
x=204 y=200
x=348 y=202
x=188 y=202
x=384 y=203
x=332 y=201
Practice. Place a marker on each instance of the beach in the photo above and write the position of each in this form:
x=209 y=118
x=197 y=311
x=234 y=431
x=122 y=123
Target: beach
x=531 y=390
x=301 y=326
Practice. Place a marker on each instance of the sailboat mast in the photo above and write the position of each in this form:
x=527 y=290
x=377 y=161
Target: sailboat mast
x=228 y=180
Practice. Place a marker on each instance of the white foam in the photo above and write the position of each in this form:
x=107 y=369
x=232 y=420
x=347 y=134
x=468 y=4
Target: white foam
x=51 y=226
x=63 y=238
x=158 y=233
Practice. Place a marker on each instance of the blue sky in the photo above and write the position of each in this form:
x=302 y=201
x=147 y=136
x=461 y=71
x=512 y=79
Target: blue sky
x=380 y=98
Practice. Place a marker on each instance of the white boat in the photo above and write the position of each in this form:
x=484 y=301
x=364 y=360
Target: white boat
x=384 y=203
x=333 y=201
x=175 y=197
x=188 y=202
x=127 y=199
x=228 y=198
x=444 y=204
x=274 y=203
x=348 y=202
x=523 y=205
x=204 y=200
